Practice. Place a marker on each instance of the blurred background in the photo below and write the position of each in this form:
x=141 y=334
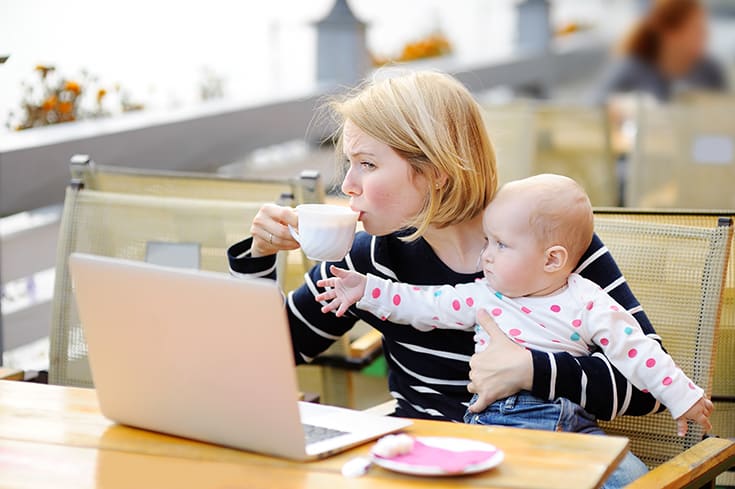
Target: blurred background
x=632 y=98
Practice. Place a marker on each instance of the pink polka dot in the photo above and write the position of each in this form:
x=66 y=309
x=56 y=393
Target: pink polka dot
x=397 y=299
x=470 y=302
x=435 y=318
x=460 y=324
x=555 y=308
x=555 y=341
x=514 y=332
x=416 y=288
x=542 y=325
x=482 y=342
x=590 y=305
x=577 y=323
x=434 y=326
x=632 y=353
x=518 y=340
x=526 y=310
x=650 y=362
x=667 y=381
x=497 y=311
x=691 y=386
x=645 y=391
x=604 y=341
x=383 y=318
x=615 y=308
x=376 y=293
x=456 y=305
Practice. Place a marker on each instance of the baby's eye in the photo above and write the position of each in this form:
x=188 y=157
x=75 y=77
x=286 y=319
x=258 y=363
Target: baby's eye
x=501 y=245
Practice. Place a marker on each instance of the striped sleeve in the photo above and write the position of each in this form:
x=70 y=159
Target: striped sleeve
x=312 y=331
x=592 y=381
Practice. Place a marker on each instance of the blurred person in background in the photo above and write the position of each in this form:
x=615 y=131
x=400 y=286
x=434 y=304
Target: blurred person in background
x=664 y=52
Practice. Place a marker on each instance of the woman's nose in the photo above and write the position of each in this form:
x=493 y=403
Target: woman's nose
x=350 y=185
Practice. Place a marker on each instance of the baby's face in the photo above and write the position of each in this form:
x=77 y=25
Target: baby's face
x=513 y=260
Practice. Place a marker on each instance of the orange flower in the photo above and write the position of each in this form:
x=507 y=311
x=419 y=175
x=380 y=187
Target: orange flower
x=65 y=107
x=49 y=103
x=101 y=94
x=72 y=86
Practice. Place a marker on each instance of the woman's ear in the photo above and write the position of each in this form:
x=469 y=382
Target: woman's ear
x=556 y=259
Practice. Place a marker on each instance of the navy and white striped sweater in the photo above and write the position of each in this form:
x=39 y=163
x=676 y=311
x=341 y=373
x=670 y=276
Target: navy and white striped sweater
x=429 y=371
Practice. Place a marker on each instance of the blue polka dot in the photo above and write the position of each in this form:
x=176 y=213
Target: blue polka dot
x=437 y=293
x=498 y=295
x=574 y=337
x=628 y=330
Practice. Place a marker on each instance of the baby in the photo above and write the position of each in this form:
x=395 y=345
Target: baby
x=536 y=230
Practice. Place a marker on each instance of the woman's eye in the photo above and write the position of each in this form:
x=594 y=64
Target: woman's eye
x=367 y=165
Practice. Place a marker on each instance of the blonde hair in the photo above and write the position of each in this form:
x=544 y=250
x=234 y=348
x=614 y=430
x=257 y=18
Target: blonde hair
x=560 y=212
x=431 y=120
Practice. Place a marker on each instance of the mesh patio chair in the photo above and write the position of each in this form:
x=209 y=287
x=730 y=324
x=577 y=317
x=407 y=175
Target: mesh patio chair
x=723 y=382
x=678 y=274
x=123 y=212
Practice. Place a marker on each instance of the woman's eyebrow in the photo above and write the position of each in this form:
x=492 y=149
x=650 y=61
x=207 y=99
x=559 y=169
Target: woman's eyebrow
x=361 y=153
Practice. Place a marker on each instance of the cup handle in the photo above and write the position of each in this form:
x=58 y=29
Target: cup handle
x=294 y=233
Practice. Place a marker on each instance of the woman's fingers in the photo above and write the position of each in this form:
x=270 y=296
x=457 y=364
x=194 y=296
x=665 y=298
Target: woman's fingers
x=270 y=230
x=503 y=369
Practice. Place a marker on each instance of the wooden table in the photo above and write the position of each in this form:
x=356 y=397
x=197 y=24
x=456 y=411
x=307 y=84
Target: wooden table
x=53 y=436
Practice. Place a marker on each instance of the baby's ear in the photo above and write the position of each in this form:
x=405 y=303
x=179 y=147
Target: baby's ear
x=556 y=259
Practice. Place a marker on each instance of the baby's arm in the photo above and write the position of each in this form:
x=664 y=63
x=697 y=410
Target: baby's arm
x=424 y=308
x=641 y=359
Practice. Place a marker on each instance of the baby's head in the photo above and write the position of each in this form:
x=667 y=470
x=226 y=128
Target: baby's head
x=537 y=230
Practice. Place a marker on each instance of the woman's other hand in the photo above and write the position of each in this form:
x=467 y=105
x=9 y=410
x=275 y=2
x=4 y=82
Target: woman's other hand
x=270 y=230
x=504 y=368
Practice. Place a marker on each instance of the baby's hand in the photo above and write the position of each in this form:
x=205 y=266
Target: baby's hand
x=699 y=413
x=347 y=288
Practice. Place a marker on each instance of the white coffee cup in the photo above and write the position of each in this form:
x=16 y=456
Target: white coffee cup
x=325 y=231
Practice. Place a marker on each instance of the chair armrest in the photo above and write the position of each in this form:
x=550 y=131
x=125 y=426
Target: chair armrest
x=11 y=374
x=694 y=468
x=383 y=409
x=361 y=353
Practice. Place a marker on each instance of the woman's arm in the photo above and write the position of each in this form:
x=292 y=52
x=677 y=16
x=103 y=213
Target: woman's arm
x=311 y=331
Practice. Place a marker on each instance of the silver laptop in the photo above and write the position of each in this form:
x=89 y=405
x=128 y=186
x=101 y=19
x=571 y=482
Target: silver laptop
x=205 y=356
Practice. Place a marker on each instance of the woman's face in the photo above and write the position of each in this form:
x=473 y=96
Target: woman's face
x=381 y=185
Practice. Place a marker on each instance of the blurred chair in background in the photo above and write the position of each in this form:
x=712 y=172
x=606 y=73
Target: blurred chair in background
x=683 y=156
x=539 y=137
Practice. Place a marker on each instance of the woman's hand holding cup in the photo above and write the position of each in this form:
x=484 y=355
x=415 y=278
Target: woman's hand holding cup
x=270 y=230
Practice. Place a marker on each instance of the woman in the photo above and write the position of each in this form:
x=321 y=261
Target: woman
x=421 y=170
x=665 y=51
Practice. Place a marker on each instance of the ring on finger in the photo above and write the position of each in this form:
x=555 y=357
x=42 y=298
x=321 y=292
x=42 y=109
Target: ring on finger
x=270 y=240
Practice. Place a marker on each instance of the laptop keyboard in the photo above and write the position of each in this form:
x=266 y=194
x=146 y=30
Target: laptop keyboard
x=314 y=434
